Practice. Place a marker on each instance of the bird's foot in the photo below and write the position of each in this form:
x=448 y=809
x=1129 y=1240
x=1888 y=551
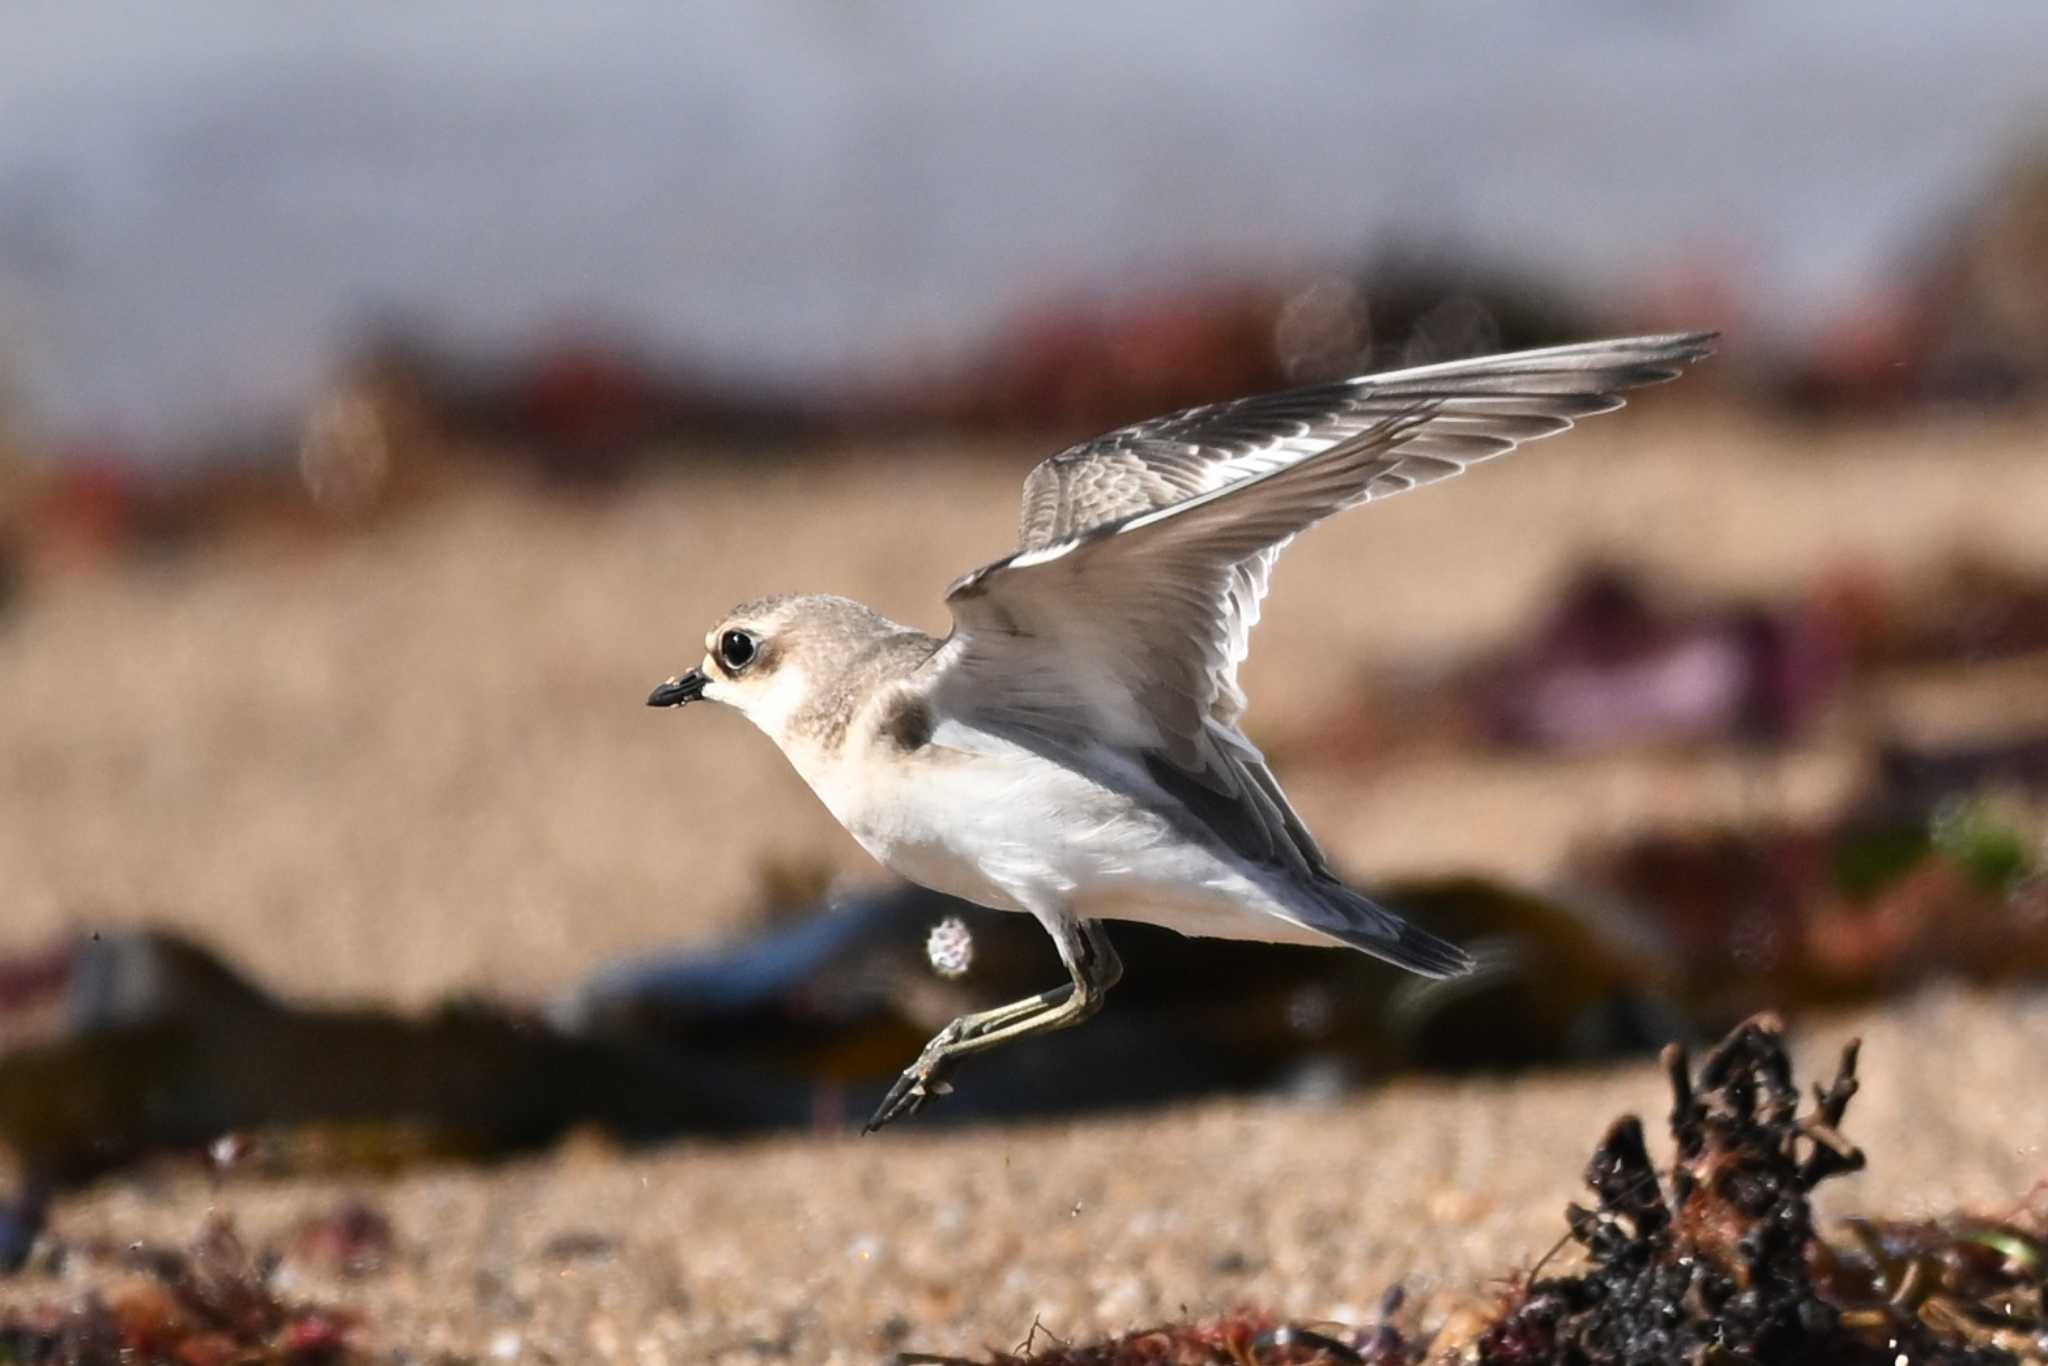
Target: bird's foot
x=920 y=1081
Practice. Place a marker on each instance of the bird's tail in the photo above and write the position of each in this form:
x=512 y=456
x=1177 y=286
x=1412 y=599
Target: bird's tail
x=1356 y=920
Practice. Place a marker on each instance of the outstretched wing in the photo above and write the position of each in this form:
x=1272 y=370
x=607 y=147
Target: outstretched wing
x=1145 y=554
x=1482 y=408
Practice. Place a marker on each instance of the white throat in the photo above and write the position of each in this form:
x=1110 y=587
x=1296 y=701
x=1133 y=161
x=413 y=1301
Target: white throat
x=772 y=706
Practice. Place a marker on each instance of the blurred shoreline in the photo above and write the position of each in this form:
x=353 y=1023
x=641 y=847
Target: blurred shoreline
x=205 y=220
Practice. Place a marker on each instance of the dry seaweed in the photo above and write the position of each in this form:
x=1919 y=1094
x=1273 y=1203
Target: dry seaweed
x=1719 y=1261
x=208 y=1305
x=1240 y=1339
x=351 y=1240
x=1889 y=896
x=1982 y=1280
x=1613 y=667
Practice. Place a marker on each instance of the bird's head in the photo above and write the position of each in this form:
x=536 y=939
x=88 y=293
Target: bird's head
x=771 y=658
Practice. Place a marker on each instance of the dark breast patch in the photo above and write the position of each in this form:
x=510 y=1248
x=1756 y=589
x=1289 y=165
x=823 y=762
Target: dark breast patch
x=906 y=724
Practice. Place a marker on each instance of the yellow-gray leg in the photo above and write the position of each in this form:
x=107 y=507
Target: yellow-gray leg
x=1095 y=968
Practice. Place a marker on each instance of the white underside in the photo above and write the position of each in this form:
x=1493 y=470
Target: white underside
x=985 y=820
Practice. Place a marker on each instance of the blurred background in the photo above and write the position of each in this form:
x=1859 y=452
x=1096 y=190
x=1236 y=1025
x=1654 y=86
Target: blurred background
x=390 y=396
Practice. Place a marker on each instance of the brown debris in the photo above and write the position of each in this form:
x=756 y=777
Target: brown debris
x=1901 y=891
x=351 y=1240
x=209 y=1305
x=1983 y=1280
x=1241 y=1339
x=1612 y=667
x=1625 y=660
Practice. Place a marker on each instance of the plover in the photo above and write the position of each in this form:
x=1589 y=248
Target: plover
x=1072 y=748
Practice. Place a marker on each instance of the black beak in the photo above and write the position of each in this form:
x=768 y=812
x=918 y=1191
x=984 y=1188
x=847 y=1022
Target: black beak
x=678 y=691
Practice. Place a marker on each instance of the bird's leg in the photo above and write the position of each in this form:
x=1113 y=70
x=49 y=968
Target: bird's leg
x=1095 y=968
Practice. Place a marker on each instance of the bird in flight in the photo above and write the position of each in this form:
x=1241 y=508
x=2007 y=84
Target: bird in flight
x=1072 y=749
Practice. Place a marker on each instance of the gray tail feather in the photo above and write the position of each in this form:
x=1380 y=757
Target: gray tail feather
x=1368 y=926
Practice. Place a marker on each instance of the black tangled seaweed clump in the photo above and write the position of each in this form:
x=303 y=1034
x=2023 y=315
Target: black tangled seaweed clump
x=1719 y=1262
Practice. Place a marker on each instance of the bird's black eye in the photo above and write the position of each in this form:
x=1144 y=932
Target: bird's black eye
x=736 y=650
